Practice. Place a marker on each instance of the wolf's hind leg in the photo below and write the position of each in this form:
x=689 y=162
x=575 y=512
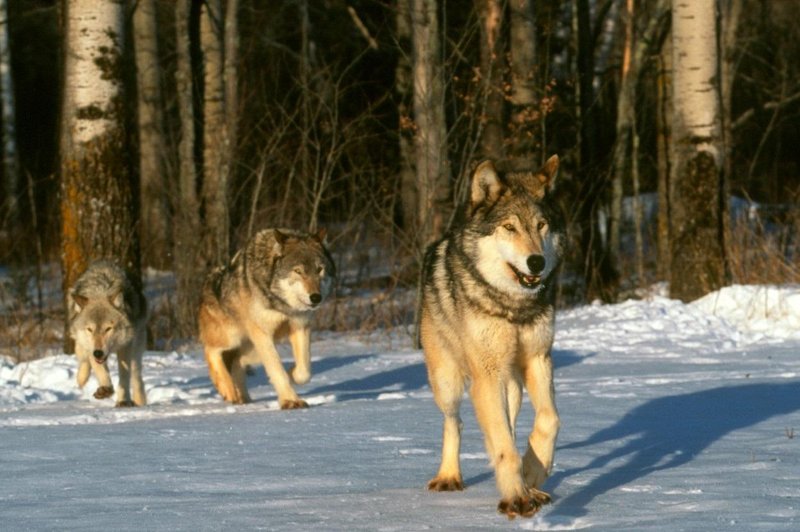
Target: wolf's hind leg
x=124 y=382
x=239 y=377
x=538 y=460
x=447 y=383
x=220 y=375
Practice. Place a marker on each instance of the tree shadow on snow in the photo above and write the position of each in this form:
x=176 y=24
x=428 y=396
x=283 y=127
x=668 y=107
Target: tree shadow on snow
x=670 y=431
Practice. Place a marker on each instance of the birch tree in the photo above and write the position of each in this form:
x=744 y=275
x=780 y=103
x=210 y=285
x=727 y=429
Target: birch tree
x=696 y=192
x=154 y=219
x=432 y=169
x=96 y=199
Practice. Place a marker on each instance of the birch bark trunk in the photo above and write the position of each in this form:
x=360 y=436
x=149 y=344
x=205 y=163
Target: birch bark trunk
x=696 y=185
x=97 y=209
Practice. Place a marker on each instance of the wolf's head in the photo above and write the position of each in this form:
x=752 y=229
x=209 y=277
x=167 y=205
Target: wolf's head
x=512 y=228
x=99 y=325
x=304 y=272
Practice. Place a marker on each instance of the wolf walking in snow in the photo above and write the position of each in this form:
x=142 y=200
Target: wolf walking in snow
x=487 y=317
x=268 y=291
x=107 y=314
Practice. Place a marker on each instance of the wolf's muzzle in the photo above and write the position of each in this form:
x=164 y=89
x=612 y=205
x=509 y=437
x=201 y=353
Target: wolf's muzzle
x=99 y=355
x=535 y=264
x=315 y=298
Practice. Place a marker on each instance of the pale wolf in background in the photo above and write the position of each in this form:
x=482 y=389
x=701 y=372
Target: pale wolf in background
x=109 y=315
x=268 y=291
x=487 y=316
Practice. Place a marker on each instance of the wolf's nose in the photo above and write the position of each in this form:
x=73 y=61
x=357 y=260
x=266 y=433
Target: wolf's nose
x=536 y=264
x=98 y=354
x=315 y=299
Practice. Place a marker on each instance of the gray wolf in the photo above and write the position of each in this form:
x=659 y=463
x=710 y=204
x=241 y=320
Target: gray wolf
x=108 y=314
x=268 y=291
x=487 y=317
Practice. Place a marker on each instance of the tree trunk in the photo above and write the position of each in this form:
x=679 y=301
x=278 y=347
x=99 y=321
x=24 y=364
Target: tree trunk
x=663 y=136
x=636 y=53
x=696 y=186
x=403 y=87
x=600 y=272
x=215 y=137
x=522 y=141
x=97 y=208
x=189 y=268
x=433 y=175
x=10 y=159
x=490 y=13
x=231 y=70
x=154 y=226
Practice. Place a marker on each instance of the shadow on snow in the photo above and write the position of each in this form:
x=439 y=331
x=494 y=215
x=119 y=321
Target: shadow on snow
x=670 y=431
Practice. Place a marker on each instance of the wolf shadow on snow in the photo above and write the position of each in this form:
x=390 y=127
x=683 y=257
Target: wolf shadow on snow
x=670 y=432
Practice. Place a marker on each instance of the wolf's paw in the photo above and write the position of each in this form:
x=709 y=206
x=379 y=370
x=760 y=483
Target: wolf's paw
x=446 y=484
x=125 y=404
x=525 y=506
x=103 y=392
x=293 y=404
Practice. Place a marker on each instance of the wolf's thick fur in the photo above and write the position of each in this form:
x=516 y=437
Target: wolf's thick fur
x=487 y=316
x=268 y=291
x=107 y=314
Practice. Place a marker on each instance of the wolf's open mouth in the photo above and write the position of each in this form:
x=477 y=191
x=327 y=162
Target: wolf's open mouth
x=525 y=279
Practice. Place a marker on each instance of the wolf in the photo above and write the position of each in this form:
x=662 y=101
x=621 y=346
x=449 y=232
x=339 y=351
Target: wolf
x=108 y=314
x=487 y=314
x=268 y=291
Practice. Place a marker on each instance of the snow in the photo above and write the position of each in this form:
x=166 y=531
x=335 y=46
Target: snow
x=679 y=416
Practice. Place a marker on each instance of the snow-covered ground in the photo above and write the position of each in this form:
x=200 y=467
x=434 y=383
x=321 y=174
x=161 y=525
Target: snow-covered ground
x=674 y=416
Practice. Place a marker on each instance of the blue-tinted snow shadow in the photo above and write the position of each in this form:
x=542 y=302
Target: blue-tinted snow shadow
x=669 y=432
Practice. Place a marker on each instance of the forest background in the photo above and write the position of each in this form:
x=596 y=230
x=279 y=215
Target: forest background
x=164 y=133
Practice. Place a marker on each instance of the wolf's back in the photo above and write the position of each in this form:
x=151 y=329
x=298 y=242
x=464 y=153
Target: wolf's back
x=104 y=280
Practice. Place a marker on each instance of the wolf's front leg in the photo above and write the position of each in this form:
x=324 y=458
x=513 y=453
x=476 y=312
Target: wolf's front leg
x=300 y=338
x=265 y=347
x=84 y=370
x=538 y=459
x=105 y=388
x=488 y=396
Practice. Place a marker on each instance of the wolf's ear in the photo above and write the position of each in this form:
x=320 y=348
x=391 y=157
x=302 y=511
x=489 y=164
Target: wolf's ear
x=322 y=232
x=79 y=300
x=116 y=300
x=280 y=240
x=547 y=173
x=486 y=184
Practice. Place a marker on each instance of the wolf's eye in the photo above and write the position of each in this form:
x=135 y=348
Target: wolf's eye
x=108 y=330
x=298 y=271
x=509 y=227
x=541 y=225
x=320 y=270
x=90 y=330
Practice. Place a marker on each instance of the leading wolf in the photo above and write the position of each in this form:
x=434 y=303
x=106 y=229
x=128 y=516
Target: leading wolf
x=487 y=316
x=108 y=314
x=268 y=291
